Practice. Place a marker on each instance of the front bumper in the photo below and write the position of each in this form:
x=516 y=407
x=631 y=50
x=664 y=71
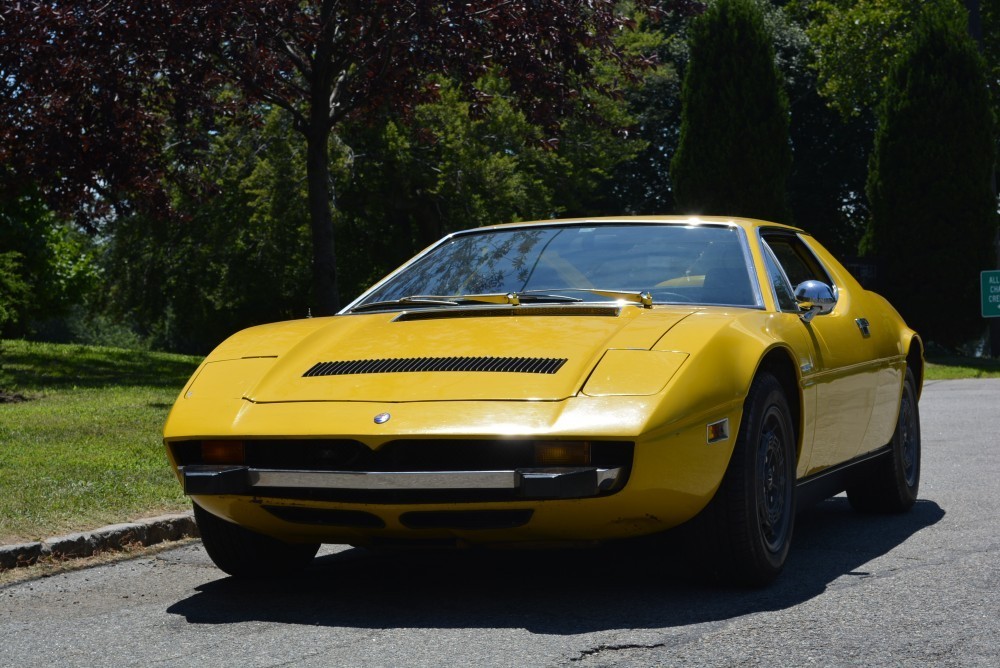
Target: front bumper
x=526 y=483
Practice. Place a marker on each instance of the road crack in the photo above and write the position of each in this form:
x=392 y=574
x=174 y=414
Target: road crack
x=600 y=649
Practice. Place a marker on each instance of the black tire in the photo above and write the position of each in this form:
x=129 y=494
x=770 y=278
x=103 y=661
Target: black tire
x=752 y=515
x=247 y=554
x=891 y=484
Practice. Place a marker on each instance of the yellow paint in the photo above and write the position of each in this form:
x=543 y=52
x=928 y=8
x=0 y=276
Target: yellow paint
x=655 y=376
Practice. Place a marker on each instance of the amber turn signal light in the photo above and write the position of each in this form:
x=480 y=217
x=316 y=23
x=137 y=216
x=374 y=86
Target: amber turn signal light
x=562 y=453
x=222 y=452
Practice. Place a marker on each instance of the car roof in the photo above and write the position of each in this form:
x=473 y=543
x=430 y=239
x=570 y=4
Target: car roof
x=748 y=224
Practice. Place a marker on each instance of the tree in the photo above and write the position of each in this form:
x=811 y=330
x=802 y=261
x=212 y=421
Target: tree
x=13 y=288
x=857 y=43
x=236 y=254
x=448 y=167
x=990 y=17
x=47 y=266
x=830 y=150
x=734 y=155
x=643 y=185
x=105 y=80
x=932 y=205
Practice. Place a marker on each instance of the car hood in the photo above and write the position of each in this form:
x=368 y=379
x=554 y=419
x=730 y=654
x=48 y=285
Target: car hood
x=531 y=353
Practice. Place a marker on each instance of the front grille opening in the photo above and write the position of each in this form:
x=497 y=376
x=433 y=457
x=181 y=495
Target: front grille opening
x=400 y=455
x=486 y=454
x=465 y=519
x=326 y=517
x=292 y=454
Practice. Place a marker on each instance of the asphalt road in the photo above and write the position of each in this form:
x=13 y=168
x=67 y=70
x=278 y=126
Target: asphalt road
x=919 y=589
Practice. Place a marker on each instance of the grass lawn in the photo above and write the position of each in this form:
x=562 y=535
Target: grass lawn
x=80 y=437
x=950 y=368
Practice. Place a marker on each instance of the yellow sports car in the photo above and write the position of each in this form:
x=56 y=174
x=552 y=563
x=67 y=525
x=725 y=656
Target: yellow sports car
x=560 y=381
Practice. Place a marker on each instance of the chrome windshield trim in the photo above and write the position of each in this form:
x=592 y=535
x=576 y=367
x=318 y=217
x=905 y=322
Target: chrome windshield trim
x=611 y=221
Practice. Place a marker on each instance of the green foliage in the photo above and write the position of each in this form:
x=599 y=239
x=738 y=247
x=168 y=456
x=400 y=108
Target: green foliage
x=454 y=165
x=47 y=267
x=830 y=153
x=13 y=288
x=237 y=254
x=642 y=185
x=991 y=44
x=84 y=447
x=933 y=210
x=240 y=251
x=859 y=40
x=733 y=156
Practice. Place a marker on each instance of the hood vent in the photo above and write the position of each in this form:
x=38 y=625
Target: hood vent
x=548 y=365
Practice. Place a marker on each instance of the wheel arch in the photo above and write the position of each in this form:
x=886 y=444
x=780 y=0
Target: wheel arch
x=915 y=361
x=778 y=361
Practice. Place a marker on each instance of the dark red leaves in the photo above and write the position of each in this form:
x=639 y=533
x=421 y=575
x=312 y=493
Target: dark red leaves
x=93 y=92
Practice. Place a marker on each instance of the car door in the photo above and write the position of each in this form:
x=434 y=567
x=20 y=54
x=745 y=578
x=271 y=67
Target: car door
x=844 y=368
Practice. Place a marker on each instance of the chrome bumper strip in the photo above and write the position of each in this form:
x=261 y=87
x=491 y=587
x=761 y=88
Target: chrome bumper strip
x=376 y=480
x=563 y=482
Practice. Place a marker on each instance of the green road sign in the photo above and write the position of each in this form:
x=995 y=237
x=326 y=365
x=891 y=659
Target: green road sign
x=991 y=293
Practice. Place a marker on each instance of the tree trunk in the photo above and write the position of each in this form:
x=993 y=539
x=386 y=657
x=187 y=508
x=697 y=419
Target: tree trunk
x=325 y=295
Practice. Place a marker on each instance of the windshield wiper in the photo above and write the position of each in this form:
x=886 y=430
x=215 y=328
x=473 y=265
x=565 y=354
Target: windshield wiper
x=414 y=300
x=644 y=298
x=516 y=298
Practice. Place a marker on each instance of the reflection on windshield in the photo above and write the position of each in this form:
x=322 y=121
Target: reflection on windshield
x=676 y=264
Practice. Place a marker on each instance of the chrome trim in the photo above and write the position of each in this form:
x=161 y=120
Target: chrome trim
x=384 y=480
x=797 y=233
x=815 y=298
x=751 y=265
x=600 y=221
x=864 y=326
x=420 y=480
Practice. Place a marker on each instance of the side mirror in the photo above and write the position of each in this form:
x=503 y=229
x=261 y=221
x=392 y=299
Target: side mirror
x=814 y=298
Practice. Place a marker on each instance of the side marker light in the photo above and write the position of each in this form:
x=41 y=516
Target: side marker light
x=718 y=431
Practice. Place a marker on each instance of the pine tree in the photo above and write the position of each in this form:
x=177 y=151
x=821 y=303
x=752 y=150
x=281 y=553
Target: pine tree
x=734 y=156
x=929 y=183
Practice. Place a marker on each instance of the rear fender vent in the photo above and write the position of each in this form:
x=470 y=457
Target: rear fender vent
x=545 y=365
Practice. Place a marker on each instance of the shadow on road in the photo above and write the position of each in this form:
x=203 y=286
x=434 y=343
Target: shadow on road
x=551 y=592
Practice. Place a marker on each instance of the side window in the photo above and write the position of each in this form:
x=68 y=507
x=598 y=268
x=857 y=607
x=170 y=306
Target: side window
x=797 y=260
x=782 y=288
x=790 y=262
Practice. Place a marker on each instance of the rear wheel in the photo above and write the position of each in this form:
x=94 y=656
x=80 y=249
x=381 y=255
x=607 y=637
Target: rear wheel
x=891 y=485
x=244 y=553
x=752 y=515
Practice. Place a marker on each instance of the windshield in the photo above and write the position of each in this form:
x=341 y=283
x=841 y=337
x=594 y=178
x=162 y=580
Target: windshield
x=674 y=263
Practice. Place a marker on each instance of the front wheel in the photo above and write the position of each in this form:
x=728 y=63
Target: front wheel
x=891 y=485
x=247 y=554
x=753 y=512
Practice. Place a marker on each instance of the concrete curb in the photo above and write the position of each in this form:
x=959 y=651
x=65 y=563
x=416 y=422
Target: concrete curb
x=115 y=537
